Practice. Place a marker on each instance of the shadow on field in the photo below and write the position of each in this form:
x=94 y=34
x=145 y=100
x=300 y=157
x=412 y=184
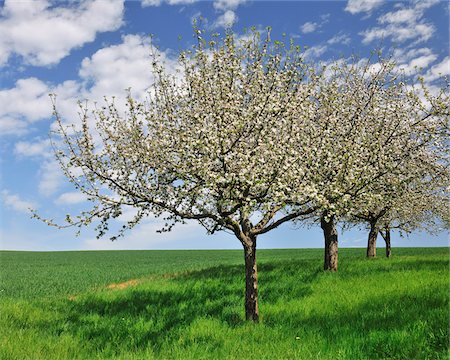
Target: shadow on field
x=158 y=314
x=415 y=264
x=154 y=314
x=402 y=326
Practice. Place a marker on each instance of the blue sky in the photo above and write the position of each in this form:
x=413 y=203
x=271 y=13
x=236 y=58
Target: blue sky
x=90 y=49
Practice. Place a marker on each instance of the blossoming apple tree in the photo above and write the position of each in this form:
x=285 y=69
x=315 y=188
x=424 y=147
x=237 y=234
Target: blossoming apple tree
x=413 y=194
x=373 y=137
x=215 y=142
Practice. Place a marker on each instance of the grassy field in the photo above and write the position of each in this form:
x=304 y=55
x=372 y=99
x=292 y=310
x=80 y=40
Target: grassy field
x=189 y=305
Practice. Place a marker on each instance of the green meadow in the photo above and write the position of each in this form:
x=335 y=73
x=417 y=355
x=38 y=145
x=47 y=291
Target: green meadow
x=190 y=305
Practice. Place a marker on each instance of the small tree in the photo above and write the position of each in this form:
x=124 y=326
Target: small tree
x=412 y=194
x=375 y=136
x=346 y=156
x=419 y=206
x=215 y=142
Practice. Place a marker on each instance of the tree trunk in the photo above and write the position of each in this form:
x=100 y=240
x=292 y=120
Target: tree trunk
x=372 y=240
x=387 y=239
x=251 y=283
x=331 y=243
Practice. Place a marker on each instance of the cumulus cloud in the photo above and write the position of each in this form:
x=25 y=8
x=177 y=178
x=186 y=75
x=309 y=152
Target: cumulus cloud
x=227 y=19
x=113 y=69
x=420 y=62
x=145 y=3
x=419 y=32
x=339 y=39
x=222 y=5
x=311 y=26
x=227 y=4
x=37 y=148
x=29 y=99
x=14 y=202
x=51 y=178
x=108 y=72
x=28 y=102
x=12 y=126
x=308 y=27
x=399 y=16
x=42 y=33
x=402 y=54
x=315 y=51
x=23 y=105
x=71 y=198
x=438 y=70
x=403 y=24
x=359 y=6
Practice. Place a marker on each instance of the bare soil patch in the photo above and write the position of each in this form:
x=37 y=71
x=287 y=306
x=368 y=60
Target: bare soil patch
x=123 y=285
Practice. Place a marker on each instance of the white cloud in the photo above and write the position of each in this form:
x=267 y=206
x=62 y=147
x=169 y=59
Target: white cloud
x=28 y=102
x=42 y=33
x=12 y=126
x=404 y=24
x=438 y=70
x=403 y=55
x=51 y=178
x=358 y=6
x=113 y=69
x=315 y=51
x=419 y=32
x=108 y=72
x=29 y=99
x=71 y=198
x=145 y=3
x=227 y=4
x=14 y=202
x=222 y=5
x=421 y=62
x=340 y=39
x=425 y=4
x=400 y=16
x=227 y=19
x=38 y=148
x=308 y=27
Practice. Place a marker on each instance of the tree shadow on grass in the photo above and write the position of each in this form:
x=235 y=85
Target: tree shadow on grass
x=156 y=314
x=419 y=264
x=381 y=265
x=411 y=325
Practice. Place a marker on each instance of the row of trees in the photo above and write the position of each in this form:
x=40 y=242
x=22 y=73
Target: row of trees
x=248 y=135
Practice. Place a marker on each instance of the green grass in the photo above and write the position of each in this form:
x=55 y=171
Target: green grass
x=189 y=305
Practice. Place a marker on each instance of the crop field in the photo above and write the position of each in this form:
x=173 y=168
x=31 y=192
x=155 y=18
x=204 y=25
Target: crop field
x=190 y=305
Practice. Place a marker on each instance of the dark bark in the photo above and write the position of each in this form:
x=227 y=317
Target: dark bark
x=331 y=243
x=251 y=282
x=387 y=239
x=372 y=240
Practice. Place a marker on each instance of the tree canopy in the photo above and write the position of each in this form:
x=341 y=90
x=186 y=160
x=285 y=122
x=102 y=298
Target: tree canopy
x=247 y=135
